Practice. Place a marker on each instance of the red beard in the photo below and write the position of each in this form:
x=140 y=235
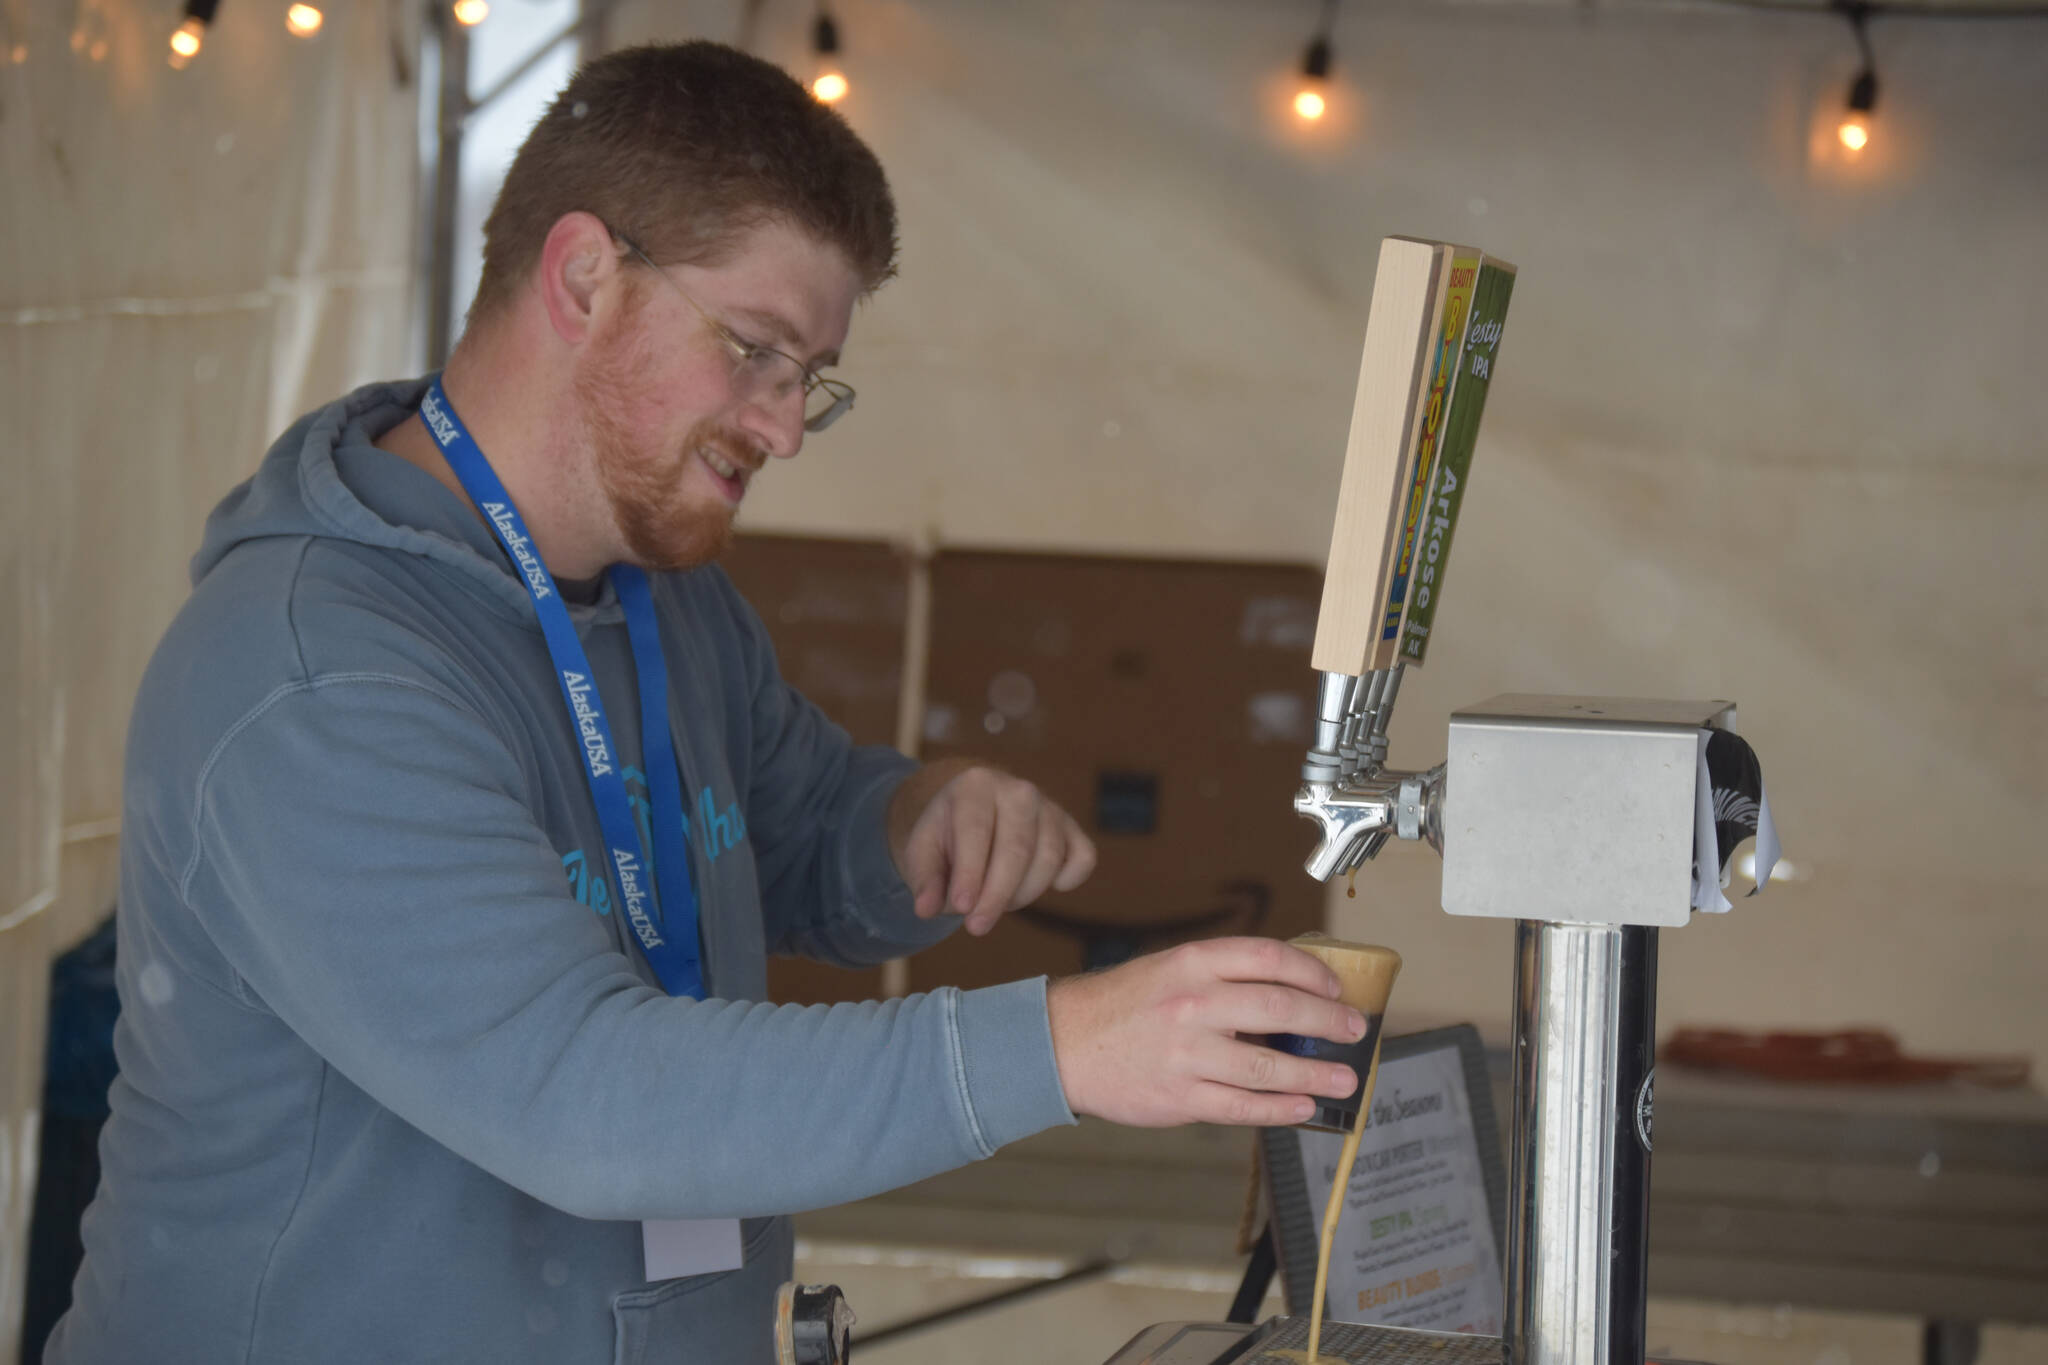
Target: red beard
x=665 y=529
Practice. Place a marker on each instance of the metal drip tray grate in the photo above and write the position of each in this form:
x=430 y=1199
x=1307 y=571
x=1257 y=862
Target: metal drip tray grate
x=1355 y=1345
x=1220 y=1343
x=1228 y=1343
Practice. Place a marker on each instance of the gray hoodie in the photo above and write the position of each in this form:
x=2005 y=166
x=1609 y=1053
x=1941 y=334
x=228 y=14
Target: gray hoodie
x=395 y=1085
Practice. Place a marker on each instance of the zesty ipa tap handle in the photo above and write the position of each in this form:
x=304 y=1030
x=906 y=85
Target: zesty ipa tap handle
x=1430 y=555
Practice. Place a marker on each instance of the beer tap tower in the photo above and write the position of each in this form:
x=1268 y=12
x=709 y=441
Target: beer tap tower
x=1576 y=817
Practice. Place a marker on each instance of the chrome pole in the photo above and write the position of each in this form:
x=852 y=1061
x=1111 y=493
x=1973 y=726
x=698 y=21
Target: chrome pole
x=1579 y=1158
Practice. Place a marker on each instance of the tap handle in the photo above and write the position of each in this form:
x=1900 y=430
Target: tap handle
x=1447 y=337
x=1464 y=405
x=1400 y=335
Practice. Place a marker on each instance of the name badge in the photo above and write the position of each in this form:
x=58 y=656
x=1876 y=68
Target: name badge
x=676 y=1247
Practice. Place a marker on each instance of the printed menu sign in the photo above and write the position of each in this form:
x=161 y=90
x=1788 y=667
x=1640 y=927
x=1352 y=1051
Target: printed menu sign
x=1415 y=1245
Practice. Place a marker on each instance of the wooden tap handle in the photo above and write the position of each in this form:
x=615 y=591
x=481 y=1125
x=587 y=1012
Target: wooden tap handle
x=1407 y=300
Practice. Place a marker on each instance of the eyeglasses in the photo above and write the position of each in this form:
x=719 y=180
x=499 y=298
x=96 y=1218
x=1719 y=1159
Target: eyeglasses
x=762 y=374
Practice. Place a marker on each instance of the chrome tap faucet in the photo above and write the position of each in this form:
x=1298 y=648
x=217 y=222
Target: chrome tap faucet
x=1346 y=789
x=1349 y=816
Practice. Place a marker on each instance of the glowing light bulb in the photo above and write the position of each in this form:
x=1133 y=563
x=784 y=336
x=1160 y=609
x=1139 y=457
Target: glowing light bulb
x=829 y=86
x=1309 y=104
x=1854 y=130
x=19 y=54
x=304 y=20
x=472 y=12
x=186 y=40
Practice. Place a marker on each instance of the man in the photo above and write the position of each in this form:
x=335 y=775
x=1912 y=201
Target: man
x=388 y=1091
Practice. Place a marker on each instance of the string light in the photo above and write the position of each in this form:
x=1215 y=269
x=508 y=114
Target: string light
x=190 y=35
x=829 y=85
x=303 y=21
x=470 y=13
x=1310 y=102
x=1854 y=131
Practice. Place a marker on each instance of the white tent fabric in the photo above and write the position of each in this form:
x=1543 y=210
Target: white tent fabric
x=190 y=258
x=1766 y=424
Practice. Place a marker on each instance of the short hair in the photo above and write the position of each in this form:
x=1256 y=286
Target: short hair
x=683 y=148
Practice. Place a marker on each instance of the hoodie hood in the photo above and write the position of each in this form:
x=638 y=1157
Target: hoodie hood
x=325 y=477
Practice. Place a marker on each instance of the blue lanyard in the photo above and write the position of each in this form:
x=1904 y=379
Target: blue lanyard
x=670 y=943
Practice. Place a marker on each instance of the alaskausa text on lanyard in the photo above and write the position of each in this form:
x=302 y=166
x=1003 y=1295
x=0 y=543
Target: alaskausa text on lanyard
x=669 y=939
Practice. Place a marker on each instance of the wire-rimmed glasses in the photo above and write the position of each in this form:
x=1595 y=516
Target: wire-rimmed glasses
x=762 y=374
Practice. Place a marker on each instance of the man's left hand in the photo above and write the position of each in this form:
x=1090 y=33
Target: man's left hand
x=973 y=840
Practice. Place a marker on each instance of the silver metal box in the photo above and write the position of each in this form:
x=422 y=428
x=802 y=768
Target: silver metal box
x=1574 y=809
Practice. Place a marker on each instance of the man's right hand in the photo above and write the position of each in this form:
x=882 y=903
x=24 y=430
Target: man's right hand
x=1167 y=1038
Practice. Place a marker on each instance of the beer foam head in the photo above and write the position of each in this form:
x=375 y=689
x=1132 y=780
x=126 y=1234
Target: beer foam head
x=1366 y=970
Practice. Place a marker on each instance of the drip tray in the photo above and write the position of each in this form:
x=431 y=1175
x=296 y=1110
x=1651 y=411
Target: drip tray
x=1233 y=1343
x=1357 y=1345
x=1222 y=1343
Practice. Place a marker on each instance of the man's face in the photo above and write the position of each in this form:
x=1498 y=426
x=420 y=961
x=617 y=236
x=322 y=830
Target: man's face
x=673 y=442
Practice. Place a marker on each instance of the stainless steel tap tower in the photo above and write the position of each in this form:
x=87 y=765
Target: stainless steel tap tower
x=1576 y=818
x=1581 y=818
